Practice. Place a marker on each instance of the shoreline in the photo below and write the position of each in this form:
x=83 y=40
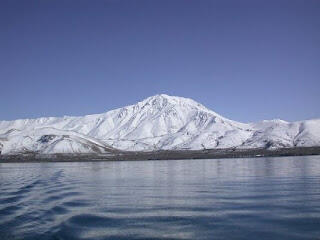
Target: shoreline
x=160 y=155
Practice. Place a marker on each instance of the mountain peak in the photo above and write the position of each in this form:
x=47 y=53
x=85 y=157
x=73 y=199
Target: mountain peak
x=162 y=97
x=162 y=100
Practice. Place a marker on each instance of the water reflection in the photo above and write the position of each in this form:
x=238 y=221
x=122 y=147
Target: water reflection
x=273 y=198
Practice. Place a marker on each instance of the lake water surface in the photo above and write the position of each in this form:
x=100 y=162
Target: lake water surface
x=261 y=198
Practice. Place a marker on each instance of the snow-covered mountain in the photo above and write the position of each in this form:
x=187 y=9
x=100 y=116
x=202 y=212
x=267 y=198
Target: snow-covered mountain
x=158 y=122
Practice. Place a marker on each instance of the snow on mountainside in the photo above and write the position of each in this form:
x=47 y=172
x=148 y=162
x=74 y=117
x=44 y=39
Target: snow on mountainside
x=158 y=122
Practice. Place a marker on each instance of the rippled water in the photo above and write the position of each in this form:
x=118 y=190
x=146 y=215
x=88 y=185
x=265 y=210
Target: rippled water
x=263 y=198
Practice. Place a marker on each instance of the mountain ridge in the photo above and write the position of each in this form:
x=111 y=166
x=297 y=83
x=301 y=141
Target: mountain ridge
x=159 y=122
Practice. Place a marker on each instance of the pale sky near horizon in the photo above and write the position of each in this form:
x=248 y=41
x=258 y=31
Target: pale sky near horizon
x=246 y=60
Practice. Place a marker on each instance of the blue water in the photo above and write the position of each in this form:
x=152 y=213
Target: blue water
x=262 y=198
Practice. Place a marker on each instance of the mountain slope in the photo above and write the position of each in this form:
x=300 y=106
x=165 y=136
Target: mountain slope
x=158 y=122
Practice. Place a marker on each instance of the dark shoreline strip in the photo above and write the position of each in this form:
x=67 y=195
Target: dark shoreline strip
x=161 y=155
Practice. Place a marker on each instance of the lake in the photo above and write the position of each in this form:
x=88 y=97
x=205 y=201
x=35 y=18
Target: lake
x=249 y=198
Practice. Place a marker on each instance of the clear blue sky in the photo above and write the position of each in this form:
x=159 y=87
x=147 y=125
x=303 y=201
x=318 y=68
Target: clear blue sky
x=247 y=60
